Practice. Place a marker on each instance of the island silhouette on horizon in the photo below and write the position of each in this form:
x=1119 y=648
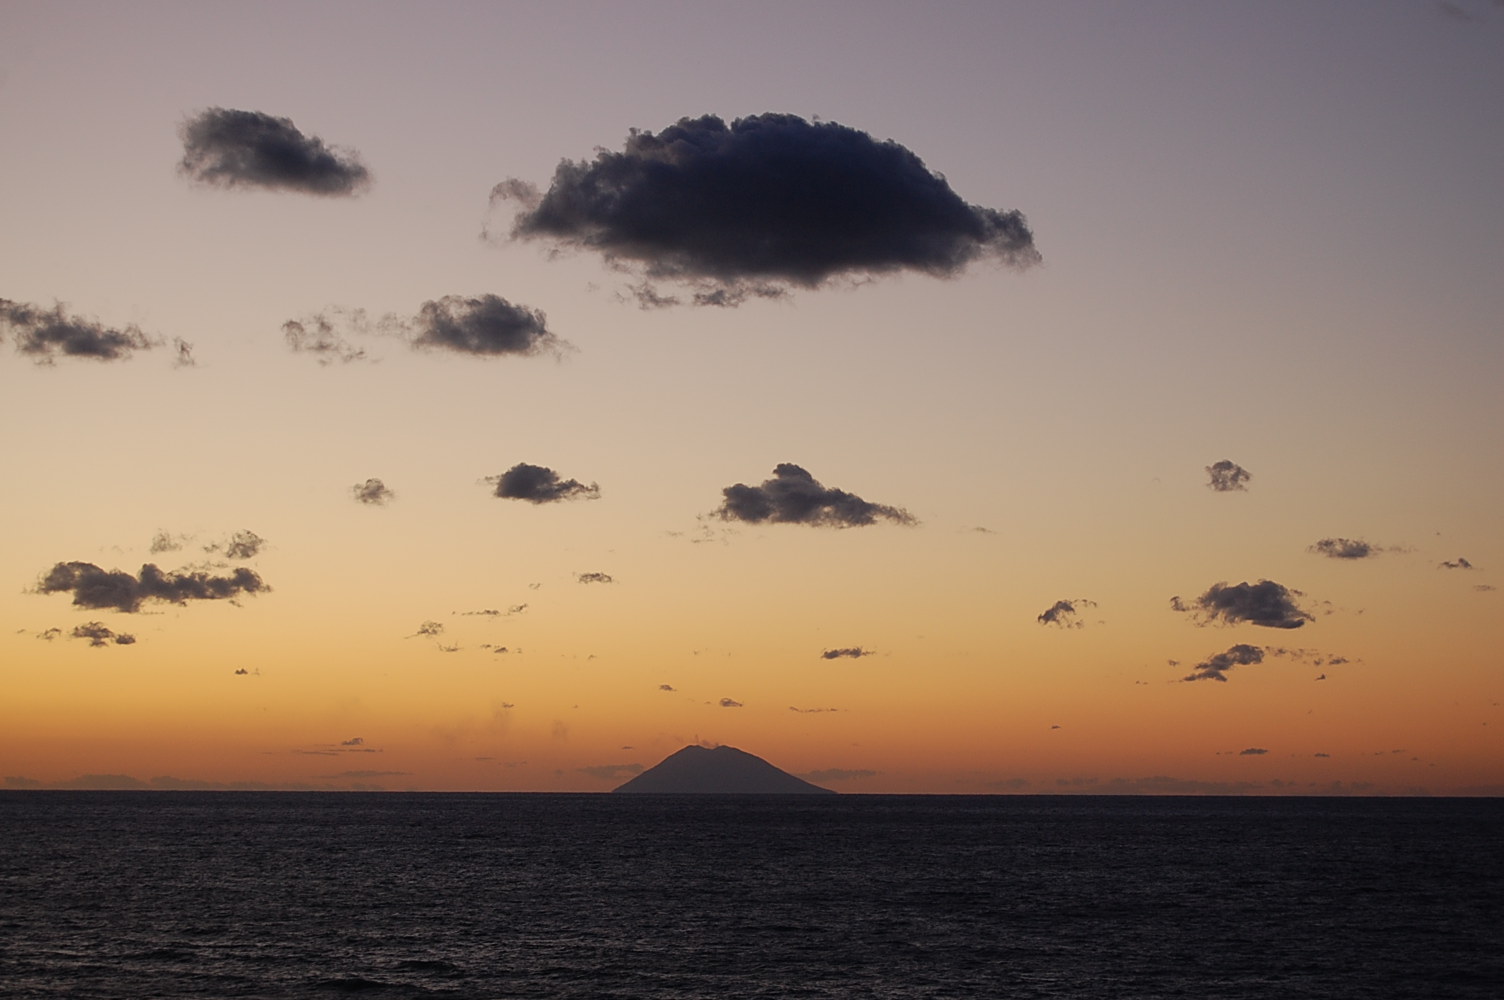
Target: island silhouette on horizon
x=718 y=770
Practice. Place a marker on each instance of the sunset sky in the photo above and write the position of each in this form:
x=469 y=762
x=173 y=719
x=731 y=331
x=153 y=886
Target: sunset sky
x=1148 y=438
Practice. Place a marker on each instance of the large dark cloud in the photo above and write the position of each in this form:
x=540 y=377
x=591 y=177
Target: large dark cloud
x=769 y=201
x=1215 y=667
x=1344 y=548
x=47 y=334
x=1460 y=563
x=1226 y=476
x=855 y=652
x=539 y=484
x=793 y=496
x=1264 y=603
x=229 y=148
x=93 y=587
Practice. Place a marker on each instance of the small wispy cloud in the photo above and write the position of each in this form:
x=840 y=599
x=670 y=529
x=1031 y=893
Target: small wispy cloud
x=852 y=652
x=372 y=492
x=1227 y=477
x=1065 y=613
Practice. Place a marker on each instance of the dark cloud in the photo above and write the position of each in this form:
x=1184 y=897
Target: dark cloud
x=480 y=326
x=852 y=651
x=487 y=324
x=49 y=634
x=241 y=672
x=1264 y=603
x=229 y=148
x=1344 y=548
x=184 y=357
x=811 y=711
x=611 y=772
x=595 y=578
x=100 y=634
x=838 y=774
x=666 y=687
x=793 y=496
x=429 y=628
x=1460 y=563
x=1225 y=476
x=730 y=703
x=354 y=741
x=539 y=484
x=1252 y=752
x=93 y=587
x=1215 y=668
x=47 y=334
x=1065 y=614
x=316 y=335
x=767 y=202
x=372 y=491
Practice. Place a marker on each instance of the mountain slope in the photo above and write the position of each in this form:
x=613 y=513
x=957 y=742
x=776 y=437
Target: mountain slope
x=697 y=769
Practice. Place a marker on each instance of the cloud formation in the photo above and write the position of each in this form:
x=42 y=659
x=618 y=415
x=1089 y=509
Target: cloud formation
x=243 y=544
x=730 y=703
x=93 y=587
x=852 y=651
x=227 y=148
x=316 y=335
x=595 y=578
x=1215 y=668
x=44 y=335
x=1344 y=548
x=1226 y=477
x=539 y=484
x=793 y=496
x=484 y=324
x=1265 y=603
x=769 y=201
x=100 y=634
x=373 y=492
x=1065 y=614
x=1460 y=563
x=476 y=325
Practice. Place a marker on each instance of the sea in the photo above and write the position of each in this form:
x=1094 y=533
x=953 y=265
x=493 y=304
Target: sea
x=159 y=894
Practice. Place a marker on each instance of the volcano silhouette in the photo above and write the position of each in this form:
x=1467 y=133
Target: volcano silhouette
x=697 y=769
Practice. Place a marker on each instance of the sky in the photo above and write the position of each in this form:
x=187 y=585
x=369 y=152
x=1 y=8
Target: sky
x=990 y=397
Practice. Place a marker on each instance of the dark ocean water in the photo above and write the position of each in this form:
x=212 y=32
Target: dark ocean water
x=218 y=894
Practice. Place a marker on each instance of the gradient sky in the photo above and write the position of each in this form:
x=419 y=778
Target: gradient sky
x=1270 y=235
